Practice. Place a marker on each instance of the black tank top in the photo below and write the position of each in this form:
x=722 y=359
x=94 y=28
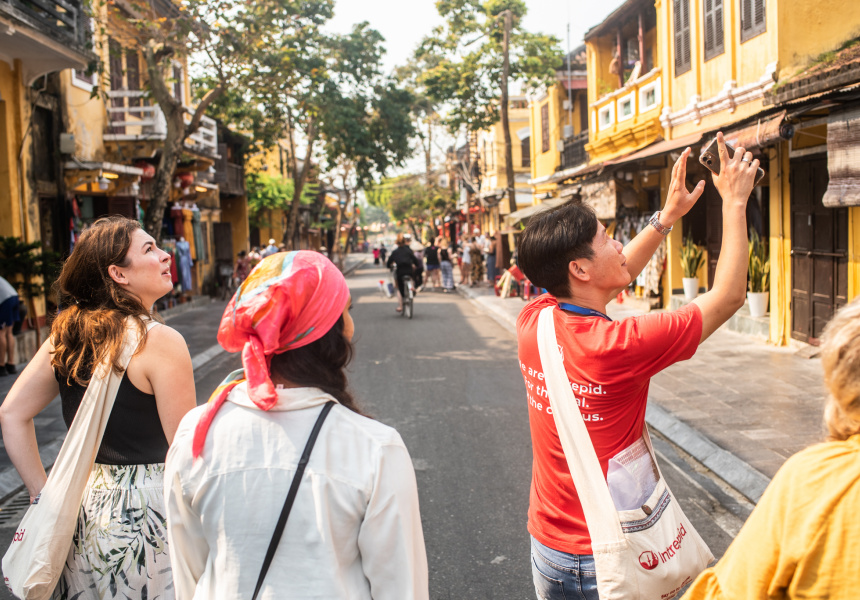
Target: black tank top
x=133 y=435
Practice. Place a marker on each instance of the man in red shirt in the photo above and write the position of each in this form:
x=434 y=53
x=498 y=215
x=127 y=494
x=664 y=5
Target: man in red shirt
x=610 y=363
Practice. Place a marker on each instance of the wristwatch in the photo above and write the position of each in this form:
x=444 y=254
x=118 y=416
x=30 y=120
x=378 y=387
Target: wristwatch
x=655 y=222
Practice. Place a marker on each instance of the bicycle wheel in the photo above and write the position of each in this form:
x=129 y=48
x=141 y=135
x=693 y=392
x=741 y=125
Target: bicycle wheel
x=410 y=295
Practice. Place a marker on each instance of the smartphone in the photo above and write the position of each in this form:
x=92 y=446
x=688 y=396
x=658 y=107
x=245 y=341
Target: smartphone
x=710 y=157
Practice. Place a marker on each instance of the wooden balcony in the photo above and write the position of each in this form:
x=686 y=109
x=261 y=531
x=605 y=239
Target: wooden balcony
x=230 y=177
x=135 y=117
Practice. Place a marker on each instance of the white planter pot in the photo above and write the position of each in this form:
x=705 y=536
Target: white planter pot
x=691 y=287
x=758 y=303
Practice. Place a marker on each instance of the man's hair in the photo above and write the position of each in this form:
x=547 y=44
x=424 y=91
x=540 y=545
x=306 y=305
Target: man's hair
x=551 y=241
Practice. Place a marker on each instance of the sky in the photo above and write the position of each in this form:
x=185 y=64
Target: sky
x=404 y=22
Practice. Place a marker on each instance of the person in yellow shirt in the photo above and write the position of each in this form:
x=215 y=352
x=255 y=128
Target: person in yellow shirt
x=803 y=538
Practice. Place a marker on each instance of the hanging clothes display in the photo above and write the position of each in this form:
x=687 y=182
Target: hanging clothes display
x=198 y=234
x=188 y=231
x=183 y=254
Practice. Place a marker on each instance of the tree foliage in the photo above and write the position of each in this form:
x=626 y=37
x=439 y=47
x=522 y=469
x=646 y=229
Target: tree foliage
x=463 y=59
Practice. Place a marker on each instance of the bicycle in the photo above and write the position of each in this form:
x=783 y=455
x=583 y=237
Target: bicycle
x=408 y=297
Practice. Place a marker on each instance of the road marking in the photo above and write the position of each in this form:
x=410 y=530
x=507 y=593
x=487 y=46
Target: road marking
x=205 y=356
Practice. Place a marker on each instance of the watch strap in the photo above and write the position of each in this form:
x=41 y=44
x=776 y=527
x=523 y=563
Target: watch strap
x=656 y=224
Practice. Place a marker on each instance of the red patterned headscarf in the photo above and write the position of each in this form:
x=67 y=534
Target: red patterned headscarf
x=289 y=300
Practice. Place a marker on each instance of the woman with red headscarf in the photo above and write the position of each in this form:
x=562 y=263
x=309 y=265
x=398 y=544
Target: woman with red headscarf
x=353 y=530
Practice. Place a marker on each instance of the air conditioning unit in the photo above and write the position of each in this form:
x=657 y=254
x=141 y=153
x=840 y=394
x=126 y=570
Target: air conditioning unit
x=566 y=105
x=568 y=131
x=559 y=144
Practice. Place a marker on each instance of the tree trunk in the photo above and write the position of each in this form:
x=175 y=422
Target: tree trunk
x=506 y=128
x=299 y=179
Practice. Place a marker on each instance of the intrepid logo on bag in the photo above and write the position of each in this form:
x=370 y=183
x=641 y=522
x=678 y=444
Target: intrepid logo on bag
x=648 y=560
x=19 y=536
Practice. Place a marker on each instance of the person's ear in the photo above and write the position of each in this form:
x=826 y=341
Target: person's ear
x=117 y=274
x=578 y=270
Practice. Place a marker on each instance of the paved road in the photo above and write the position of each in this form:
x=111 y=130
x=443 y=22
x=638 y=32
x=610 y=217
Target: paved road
x=447 y=380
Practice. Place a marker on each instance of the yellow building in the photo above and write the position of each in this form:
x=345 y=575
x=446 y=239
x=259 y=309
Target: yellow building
x=558 y=124
x=491 y=152
x=775 y=77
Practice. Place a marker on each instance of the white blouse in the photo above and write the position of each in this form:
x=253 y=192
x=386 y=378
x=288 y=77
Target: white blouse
x=354 y=531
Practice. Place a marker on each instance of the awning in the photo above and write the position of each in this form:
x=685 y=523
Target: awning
x=658 y=149
x=761 y=133
x=843 y=159
x=525 y=213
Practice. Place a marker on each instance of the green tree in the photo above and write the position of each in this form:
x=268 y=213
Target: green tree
x=472 y=55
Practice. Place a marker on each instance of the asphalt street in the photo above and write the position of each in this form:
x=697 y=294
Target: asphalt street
x=448 y=381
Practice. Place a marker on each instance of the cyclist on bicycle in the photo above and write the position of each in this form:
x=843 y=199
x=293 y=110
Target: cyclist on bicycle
x=405 y=263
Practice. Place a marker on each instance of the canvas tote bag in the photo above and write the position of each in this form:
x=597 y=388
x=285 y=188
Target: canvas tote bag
x=34 y=562
x=649 y=553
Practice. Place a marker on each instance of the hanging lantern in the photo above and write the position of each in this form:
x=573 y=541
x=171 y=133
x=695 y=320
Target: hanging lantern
x=148 y=170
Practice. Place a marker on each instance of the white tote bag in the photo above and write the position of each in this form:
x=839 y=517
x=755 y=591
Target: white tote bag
x=649 y=553
x=34 y=562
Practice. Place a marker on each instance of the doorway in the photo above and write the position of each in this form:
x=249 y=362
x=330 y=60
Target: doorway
x=819 y=251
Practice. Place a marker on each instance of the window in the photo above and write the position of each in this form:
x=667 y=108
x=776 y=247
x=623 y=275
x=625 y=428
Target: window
x=83 y=79
x=681 y=23
x=626 y=107
x=525 y=152
x=713 y=15
x=753 y=20
x=132 y=75
x=649 y=96
x=544 y=128
x=606 y=116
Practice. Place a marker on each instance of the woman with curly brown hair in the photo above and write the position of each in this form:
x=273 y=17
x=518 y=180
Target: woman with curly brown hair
x=803 y=538
x=108 y=286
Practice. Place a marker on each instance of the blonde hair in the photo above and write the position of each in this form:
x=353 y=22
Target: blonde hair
x=401 y=239
x=840 y=358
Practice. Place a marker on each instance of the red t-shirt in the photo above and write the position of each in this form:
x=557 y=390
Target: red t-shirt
x=610 y=365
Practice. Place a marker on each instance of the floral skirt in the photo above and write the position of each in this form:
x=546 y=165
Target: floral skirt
x=120 y=544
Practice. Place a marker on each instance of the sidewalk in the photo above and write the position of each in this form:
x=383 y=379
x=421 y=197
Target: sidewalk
x=739 y=406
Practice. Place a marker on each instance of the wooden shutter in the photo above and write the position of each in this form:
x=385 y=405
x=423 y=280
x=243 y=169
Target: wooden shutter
x=525 y=151
x=132 y=74
x=713 y=17
x=753 y=18
x=544 y=127
x=681 y=24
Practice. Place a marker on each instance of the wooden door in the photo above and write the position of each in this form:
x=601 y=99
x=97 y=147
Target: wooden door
x=819 y=252
x=223 y=234
x=713 y=228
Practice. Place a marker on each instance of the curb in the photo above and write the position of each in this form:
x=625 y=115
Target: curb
x=747 y=480
x=10 y=481
x=350 y=270
x=196 y=302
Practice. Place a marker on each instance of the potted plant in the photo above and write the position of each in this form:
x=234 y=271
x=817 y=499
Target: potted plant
x=692 y=257
x=759 y=273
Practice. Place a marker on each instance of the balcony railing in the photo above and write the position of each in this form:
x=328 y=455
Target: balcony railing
x=64 y=20
x=574 y=153
x=623 y=107
x=230 y=177
x=134 y=117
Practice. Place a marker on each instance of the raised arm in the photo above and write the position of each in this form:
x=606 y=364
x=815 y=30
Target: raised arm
x=735 y=183
x=32 y=392
x=678 y=203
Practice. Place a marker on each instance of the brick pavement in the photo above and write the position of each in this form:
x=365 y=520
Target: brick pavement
x=742 y=405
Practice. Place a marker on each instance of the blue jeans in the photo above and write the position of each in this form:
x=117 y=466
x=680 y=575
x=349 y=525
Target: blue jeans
x=561 y=576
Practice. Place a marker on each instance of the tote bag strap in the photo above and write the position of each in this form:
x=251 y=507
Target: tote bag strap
x=291 y=497
x=604 y=527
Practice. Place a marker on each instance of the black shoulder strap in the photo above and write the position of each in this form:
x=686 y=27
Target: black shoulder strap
x=291 y=496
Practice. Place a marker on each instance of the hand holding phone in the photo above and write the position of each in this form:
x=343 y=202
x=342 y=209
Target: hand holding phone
x=710 y=158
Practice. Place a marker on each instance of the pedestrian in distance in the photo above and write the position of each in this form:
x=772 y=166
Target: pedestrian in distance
x=446 y=266
x=610 y=363
x=802 y=540
x=272 y=248
x=431 y=258
x=477 y=256
x=376 y=256
x=405 y=264
x=107 y=286
x=354 y=529
x=490 y=252
x=242 y=268
x=465 y=262
x=383 y=252
x=9 y=315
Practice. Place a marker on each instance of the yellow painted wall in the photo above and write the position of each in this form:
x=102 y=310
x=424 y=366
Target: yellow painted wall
x=780 y=245
x=234 y=210
x=85 y=117
x=808 y=28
